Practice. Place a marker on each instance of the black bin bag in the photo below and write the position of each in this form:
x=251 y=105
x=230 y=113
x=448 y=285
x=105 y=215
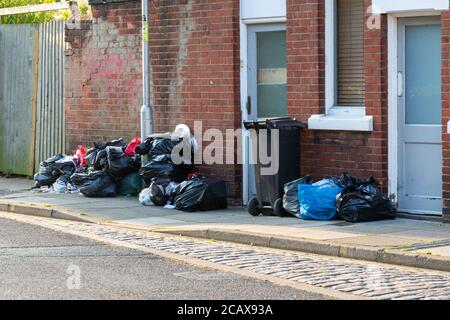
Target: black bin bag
x=157 y=147
x=162 y=146
x=158 y=167
x=363 y=201
x=51 y=169
x=101 y=160
x=188 y=195
x=113 y=143
x=144 y=148
x=197 y=194
x=290 y=197
x=97 y=157
x=119 y=164
x=95 y=184
x=162 y=167
x=44 y=179
x=215 y=197
x=158 y=188
x=91 y=155
x=80 y=179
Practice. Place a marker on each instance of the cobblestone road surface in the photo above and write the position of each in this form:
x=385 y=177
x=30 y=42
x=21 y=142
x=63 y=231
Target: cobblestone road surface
x=363 y=279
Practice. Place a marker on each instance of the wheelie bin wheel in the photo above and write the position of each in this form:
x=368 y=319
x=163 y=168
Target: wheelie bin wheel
x=278 y=208
x=253 y=207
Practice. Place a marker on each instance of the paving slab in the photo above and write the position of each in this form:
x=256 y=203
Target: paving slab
x=156 y=222
x=421 y=235
x=440 y=251
x=372 y=230
x=377 y=241
x=315 y=234
x=15 y=185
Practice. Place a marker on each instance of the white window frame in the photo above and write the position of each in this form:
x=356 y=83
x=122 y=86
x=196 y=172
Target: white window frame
x=336 y=117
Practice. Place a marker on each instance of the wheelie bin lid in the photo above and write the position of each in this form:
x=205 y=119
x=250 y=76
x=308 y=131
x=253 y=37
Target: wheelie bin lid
x=274 y=123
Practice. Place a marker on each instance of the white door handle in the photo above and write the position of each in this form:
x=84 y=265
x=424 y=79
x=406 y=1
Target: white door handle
x=399 y=84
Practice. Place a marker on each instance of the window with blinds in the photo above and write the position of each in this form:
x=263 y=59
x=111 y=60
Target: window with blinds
x=350 y=53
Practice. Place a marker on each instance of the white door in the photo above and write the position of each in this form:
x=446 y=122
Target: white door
x=419 y=116
x=267 y=77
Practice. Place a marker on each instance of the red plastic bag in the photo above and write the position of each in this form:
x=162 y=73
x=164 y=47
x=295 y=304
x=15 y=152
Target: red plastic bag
x=192 y=176
x=80 y=155
x=131 y=148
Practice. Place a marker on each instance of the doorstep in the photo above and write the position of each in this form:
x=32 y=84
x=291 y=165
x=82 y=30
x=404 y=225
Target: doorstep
x=414 y=243
x=445 y=218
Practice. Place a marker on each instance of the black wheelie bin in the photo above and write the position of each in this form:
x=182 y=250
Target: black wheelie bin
x=269 y=188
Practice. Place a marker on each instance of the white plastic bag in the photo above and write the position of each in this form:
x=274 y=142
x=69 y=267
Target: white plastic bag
x=59 y=186
x=145 y=197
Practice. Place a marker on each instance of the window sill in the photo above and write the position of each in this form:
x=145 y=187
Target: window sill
x=340 y=122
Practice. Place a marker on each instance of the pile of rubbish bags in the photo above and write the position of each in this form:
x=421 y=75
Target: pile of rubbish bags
x=346 y=198
x=57 y=170
x=105 y=170
x=114 y=168
x=177 y=186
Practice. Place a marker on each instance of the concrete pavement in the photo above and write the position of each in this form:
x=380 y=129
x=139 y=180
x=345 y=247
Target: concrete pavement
x=12 y=185
x=407 y=242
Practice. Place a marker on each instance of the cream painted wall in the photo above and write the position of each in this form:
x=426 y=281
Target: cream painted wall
x=393 y=6
x=263 y=9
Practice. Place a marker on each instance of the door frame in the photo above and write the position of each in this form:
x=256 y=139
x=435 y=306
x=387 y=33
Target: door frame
x=393 y=156
x=245 y=90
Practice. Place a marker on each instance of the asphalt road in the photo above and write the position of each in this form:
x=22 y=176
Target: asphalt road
x=38 y=263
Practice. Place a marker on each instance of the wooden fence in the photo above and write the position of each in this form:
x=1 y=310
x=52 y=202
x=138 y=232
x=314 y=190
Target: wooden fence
x=31 y=95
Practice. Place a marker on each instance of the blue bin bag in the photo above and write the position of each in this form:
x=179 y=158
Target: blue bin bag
x=318 y=200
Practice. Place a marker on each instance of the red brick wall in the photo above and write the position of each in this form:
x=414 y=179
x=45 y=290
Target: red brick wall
x=305 y=57
x=103 y=75
x=445 y=21
x=376 y=100
x=194 y=72
x=332 y=152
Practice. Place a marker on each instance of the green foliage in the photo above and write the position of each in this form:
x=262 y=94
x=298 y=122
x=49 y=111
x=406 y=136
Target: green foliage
x=36 y=17
x=85 y=9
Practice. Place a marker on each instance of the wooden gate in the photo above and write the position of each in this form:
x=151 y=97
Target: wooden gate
x=31 y=95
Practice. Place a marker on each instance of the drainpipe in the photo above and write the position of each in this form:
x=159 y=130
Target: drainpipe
x=146 y=110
